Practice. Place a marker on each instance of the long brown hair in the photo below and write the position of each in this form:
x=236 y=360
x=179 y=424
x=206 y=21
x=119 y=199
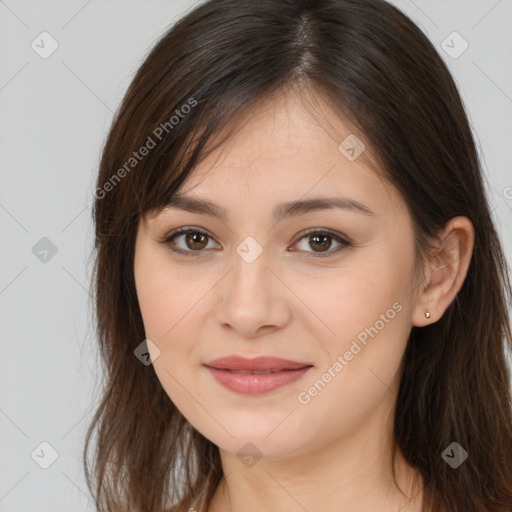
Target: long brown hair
x=375 y=67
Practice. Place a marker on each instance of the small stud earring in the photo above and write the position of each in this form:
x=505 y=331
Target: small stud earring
x=427 y=313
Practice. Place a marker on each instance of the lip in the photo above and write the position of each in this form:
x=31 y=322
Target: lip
x=232 y=372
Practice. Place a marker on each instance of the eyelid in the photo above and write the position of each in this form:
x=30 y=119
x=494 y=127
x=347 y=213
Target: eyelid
x=342 y=240
x=169 y=238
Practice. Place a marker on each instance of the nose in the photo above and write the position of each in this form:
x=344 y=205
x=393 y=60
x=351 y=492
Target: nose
x=253 y=300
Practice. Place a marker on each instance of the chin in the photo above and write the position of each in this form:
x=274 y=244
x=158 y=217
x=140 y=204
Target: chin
x=255 y=440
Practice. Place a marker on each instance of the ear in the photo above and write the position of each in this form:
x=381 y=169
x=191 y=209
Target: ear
x=445 y=271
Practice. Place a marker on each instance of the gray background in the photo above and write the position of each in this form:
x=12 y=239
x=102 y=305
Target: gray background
x=55 y=113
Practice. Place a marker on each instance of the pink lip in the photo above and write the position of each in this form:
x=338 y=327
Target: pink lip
x=227 y=371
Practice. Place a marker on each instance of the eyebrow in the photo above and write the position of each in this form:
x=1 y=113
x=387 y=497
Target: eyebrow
x=279 y=212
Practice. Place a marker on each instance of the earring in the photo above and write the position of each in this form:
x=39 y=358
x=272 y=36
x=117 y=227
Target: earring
x=427 y=313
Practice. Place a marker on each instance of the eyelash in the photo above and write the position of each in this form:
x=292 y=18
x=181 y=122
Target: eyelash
x=180 y=231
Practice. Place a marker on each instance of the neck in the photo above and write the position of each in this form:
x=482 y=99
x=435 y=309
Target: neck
x=354 y=475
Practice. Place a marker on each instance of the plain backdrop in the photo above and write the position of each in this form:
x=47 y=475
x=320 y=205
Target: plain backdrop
x=55 y=113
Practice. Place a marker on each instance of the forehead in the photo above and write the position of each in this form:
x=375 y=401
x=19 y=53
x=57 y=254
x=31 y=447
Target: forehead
x=287 y=147
x=288 y=126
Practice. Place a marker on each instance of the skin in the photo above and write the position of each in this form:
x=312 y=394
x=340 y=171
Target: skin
x=333 y=453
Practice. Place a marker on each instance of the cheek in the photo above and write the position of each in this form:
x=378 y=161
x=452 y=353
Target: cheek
x=170 y=301
x=162 y=296
x=370 y=294
x=366 y=309
x=166 y=316
x=362 y=359
x=156 y=304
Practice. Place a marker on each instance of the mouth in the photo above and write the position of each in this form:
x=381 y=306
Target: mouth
x=256 y=376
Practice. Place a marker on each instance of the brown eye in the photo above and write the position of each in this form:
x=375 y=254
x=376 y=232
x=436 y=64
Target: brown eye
x=191 y=240
x=321 y=241
x=196 y=241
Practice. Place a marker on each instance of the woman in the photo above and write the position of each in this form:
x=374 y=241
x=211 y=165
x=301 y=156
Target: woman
x=300 y=293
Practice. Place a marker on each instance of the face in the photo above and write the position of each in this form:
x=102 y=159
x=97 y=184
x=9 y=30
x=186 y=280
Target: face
x=330 y=289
